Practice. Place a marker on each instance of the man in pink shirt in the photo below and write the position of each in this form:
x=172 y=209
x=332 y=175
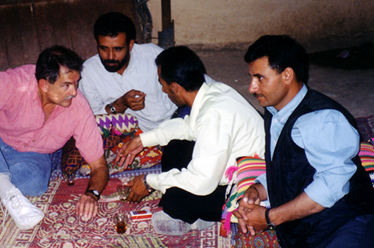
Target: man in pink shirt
x=40 y=109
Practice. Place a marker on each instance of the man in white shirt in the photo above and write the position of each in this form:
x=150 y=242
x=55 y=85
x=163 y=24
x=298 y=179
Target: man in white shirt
x=123 y=75
x=221 y=127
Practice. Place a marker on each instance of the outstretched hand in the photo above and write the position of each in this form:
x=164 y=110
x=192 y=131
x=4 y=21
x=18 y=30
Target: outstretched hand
x=128 y=151
x=86 y=207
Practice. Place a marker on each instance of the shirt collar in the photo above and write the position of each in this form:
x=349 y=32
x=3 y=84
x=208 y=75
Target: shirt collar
x=286 y=111
x=198 y=101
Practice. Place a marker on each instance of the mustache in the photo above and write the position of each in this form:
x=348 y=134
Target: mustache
x=256 y=94
x=110 y=61
x=69 y=97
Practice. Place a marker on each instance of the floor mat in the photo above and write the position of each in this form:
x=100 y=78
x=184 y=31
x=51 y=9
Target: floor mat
x=61 y=227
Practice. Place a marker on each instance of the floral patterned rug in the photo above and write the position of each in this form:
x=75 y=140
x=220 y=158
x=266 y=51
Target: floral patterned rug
x=62 y=228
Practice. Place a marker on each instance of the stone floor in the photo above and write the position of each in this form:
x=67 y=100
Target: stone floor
x=353 y=88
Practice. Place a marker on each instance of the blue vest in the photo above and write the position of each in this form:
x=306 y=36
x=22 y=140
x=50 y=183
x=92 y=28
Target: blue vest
x=289 y=173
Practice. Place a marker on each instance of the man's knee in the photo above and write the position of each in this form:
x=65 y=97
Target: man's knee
x=177 y=154
x=355 y=233
x=31 y=178
x=36 y=189
x=188 y=207
x=178 y=204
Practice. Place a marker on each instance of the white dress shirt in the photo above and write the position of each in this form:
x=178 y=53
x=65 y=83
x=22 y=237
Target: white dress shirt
x=224 y=125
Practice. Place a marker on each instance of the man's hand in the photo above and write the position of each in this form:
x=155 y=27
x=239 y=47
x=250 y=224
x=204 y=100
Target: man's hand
x=138 y=190
x=246 y=214
x=86 y=207
x=128 y=151
x=254 y=218
x=133 y=99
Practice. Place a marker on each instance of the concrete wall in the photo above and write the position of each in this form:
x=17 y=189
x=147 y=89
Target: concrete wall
x=318 y=24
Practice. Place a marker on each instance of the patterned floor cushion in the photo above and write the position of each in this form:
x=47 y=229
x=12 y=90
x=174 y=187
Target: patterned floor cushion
x=265 y=239
x=115 y=130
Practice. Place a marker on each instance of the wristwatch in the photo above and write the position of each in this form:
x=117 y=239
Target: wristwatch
x=147 y=187
x=270 y=224
x=112 y=108
x=94 y=192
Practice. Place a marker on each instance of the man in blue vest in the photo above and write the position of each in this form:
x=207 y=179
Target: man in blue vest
x=317 y=193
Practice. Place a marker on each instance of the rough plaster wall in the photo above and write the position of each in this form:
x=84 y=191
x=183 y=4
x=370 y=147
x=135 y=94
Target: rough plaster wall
x=317 y=24
x=29 y=26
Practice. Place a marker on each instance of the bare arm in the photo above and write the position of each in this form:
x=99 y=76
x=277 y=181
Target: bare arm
x=298 y=208
x=87 y=205
x=253 y=216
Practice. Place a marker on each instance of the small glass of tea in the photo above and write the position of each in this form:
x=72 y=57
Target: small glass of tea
x=123 y=192
x=121 y=220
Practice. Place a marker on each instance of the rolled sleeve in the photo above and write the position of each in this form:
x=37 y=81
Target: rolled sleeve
x=330 y=143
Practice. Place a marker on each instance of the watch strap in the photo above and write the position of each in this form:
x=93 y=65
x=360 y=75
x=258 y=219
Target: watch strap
x=112 y=108
x=270 y=224
x=94 y=192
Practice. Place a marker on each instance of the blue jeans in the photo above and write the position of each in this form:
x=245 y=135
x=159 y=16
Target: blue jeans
x=28 y=171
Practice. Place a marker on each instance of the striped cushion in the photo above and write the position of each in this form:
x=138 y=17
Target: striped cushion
x=115 y=129
x=249 y=168
x=366 y=155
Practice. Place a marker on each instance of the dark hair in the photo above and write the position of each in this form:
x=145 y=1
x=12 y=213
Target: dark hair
x=51 y=59
x=181 y=65
x=282 y=52
x=113 y=23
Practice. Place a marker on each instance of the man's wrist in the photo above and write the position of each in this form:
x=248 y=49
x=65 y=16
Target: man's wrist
x=118 y=106
x=93 y=193
x=112 y=109
x=147 y=187
x=270 y=224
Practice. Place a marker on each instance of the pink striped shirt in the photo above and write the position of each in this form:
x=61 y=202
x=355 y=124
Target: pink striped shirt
x=22 y=118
